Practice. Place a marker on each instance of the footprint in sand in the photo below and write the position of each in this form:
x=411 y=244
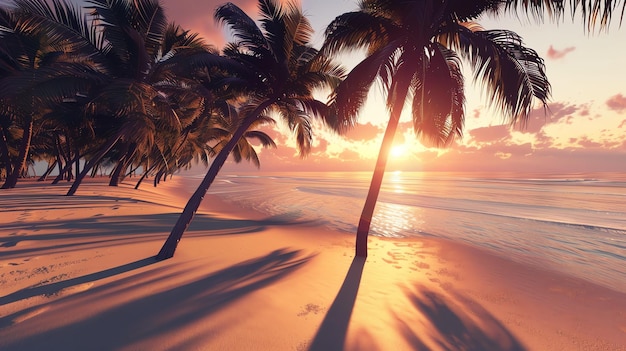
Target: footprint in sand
x=421 y=265
x=310 y=308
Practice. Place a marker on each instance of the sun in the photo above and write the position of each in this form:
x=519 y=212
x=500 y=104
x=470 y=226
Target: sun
x=398 y=151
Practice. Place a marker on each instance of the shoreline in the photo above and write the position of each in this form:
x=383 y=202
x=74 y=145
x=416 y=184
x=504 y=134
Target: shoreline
x=71 y=267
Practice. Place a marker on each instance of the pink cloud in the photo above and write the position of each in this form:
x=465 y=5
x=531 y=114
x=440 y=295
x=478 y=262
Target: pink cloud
x=363 y=132
x=554 y=54
x=197 y=16
x=617 y=103
x=490 y=134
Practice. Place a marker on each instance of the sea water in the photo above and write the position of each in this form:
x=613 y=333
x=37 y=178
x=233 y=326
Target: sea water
x=572 y=223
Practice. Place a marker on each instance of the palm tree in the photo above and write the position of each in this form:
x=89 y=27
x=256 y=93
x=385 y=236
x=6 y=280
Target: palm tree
x=141 y=51
x=414 y=48
x=37 y=66
x=280 y=70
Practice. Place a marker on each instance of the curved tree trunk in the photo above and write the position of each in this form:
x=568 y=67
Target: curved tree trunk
x=121 y=165
x=157 y=177
x=377 y=179
x=45 y=174
x=20 y=162
x=169 y=247
x=145 y=174
x=89 y=165
x=4 y=151
x=66 y=168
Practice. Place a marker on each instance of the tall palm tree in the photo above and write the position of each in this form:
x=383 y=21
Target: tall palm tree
x=37 y=65
x=141 y=51
x=415 y=48
x=280 y=70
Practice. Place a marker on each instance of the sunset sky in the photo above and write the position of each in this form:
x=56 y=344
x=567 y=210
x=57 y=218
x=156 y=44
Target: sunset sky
x=583 y=132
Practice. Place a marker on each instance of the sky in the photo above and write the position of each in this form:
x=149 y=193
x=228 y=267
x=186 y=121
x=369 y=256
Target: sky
x=583 y=131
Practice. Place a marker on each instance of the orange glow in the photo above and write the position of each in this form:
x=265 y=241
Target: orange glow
x=398 y=151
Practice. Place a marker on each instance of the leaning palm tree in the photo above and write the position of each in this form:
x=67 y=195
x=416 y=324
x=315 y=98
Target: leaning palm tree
x=280 y=70
x=415 y=48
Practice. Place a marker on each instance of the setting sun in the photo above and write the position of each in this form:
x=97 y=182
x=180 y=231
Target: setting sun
x=398 y=151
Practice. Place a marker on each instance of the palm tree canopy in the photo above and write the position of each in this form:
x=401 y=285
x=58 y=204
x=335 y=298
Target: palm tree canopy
x=415 y=49
x=278 y=64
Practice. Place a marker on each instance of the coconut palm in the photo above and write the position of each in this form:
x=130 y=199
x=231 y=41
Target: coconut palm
x=415 y=48
x=280 y=70
x=141 y=52
x=37 y=67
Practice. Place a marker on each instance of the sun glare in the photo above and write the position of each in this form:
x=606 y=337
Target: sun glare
x=398 y=151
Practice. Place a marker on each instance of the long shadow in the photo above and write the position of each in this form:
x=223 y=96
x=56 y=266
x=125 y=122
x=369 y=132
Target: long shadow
x=53 y=288
x=331 y=335
x=456 y=322
x=152 y=316
x=100 y=230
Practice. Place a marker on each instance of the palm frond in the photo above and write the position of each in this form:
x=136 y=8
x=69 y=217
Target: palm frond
x=298 y=31
x=357 y=30
x=244 y=29
x=512 y=72
x=351 y=94
x=595 y=13
x=438 y=102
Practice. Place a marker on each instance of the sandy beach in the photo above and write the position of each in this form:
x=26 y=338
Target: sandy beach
x=78 y=273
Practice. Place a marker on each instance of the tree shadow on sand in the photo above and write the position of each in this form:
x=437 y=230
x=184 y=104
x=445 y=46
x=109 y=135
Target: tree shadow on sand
x=455 y=322
x=331 y=335
x=155 y=315
x=115 y=230
x=54 y=288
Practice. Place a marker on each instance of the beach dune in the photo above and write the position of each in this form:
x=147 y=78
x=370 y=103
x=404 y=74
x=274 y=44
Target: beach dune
x=78 y=273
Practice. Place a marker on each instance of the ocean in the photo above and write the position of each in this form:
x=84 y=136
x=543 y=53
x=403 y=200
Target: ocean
x=570 y=223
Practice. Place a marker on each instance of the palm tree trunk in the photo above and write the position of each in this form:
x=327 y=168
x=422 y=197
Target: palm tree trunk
x=4 y=151
x=121 y=165
x=145 y=174
x=20 y=162
x=62 y=172
x=169 y=247
x=45 y=174
x=377 y=179
x=77 y=153
x=89 y=165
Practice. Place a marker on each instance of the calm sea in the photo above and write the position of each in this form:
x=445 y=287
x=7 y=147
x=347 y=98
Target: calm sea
x=572 y=223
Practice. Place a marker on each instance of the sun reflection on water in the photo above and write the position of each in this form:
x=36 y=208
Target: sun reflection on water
x=395 y=221
x=397 y=183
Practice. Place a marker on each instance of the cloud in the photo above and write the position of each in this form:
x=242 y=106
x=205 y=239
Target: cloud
x=366 y=131
x=197 y=16
x=617 y=103
x=554 y=54
x=490 y=134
